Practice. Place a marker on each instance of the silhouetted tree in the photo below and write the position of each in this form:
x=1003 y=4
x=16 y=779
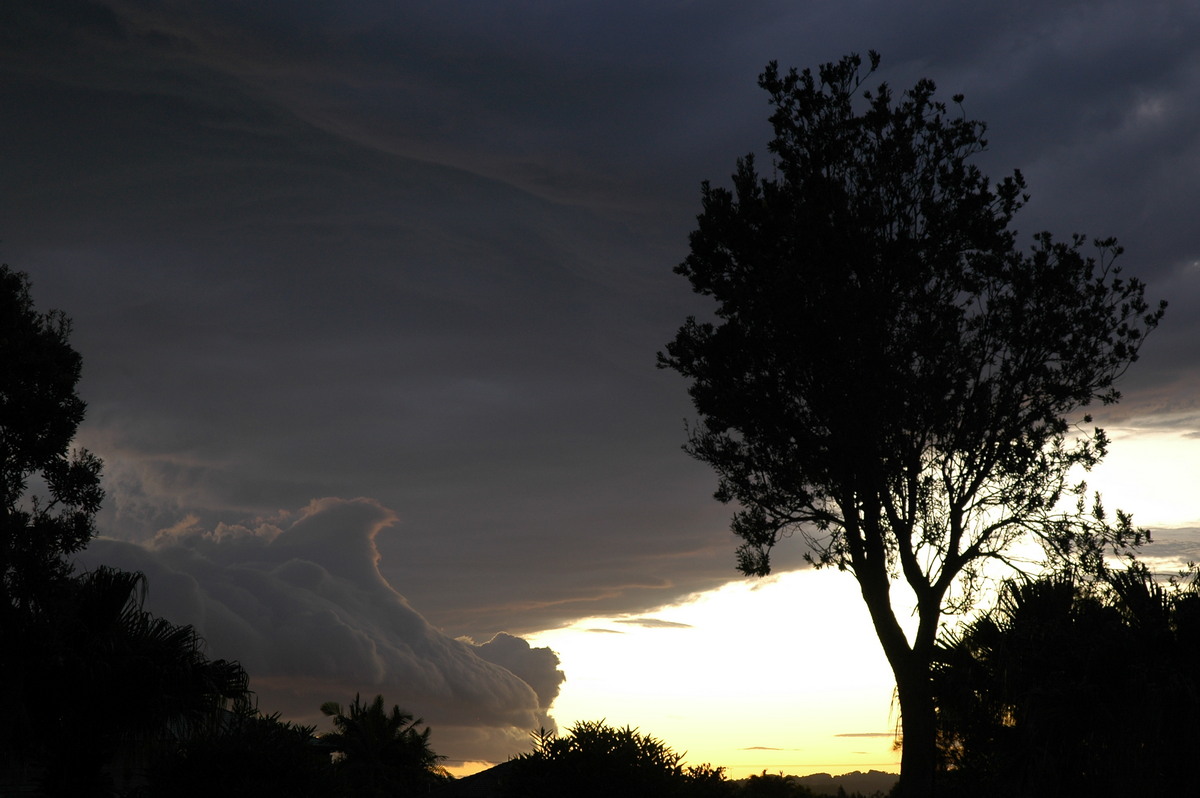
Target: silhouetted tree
x=111 y=684
x=248 y=755
x=85 y=673
x=773 y=785
x=1074 y=687
x=888 y=375
x=705 y=781
x=381 y=752
x=48 y=499
x=48 y=495
x=595 y=759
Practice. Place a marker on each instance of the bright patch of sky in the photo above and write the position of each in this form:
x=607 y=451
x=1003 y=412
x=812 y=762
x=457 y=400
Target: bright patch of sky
x=1153 y=474
x=782 y=673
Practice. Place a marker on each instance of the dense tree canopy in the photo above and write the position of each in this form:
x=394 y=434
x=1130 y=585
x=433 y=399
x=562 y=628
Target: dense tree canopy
x=48 y=494
x=889 y=375
x=596 y=759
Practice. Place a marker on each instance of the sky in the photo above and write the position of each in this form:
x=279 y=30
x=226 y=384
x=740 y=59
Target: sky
x=369 y=296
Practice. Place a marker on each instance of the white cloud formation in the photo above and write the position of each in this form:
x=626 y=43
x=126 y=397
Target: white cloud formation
x=300 y=602
x=537 y=667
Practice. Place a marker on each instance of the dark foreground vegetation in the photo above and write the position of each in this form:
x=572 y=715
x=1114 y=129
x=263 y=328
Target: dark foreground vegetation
x=1074 y=686
x=594 y=759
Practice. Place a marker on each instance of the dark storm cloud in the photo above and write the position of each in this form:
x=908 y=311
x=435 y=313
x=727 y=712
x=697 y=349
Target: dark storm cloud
x=422 y=252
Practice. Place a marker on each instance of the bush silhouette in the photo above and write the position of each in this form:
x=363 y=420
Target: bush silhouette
x=249 y=756
x=595 y=759
x=773 y=785
x=1074 y=687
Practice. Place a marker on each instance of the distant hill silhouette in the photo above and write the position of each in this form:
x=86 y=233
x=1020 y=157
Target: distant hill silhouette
x=869 y=783
x=486 y=783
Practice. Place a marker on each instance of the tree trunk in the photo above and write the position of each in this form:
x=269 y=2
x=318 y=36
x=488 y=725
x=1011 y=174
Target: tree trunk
x=918 y=725
x=911 y=664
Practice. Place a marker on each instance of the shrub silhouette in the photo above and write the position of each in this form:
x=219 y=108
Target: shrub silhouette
x=595 y=759
x=1072 y=687
x=773 y=785
x=250 y=755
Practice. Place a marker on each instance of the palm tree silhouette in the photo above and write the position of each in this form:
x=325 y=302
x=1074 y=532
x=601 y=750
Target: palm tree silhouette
x=118 y=684
x=1074 y=687
x=381 y=752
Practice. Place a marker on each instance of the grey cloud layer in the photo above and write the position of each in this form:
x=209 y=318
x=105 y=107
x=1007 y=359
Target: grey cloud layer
x=423 y=253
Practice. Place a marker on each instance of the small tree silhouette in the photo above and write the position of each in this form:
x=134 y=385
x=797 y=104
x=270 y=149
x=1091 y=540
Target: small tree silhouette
x=381 y=752
x=773 y=785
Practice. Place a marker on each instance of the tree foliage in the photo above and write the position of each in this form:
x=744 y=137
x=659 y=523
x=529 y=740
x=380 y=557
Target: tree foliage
x=48 y=494
x=773 y=785
x=888 y=374
x=1074 y=687
x=596 y=759
x=249 y=755
x=381 y=752
x=92 y=683
x=98 y=685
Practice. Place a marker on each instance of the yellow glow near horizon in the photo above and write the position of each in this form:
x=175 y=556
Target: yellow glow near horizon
x=782 y=674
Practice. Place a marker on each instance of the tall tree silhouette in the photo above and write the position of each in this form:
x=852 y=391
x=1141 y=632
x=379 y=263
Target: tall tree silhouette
x=888 y=376
x=48 y=496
